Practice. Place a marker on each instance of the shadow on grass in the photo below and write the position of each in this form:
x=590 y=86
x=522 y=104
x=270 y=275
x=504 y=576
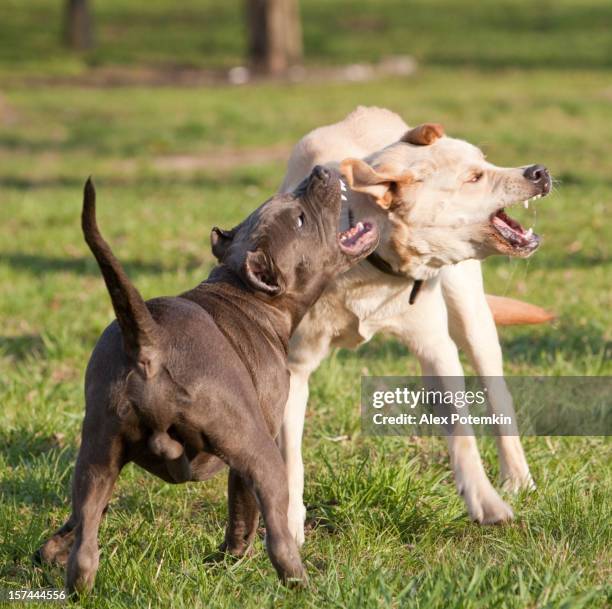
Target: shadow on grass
x=39 y=467
x=147 y=178
x=21 y=347
x=381 y=347
x=577 y=342
x=38 y=265
x=550 y=260
x=532 y=345
x=20 y=183
x=578 y=260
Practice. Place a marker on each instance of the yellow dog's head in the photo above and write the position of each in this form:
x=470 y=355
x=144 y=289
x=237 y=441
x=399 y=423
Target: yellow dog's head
x=446 y=203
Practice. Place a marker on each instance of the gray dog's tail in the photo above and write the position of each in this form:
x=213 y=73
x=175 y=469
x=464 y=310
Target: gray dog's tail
x=141 y=335
x=139 y=330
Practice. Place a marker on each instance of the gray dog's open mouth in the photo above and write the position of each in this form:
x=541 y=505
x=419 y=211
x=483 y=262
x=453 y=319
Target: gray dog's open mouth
x=358 y=239
x=512 y=233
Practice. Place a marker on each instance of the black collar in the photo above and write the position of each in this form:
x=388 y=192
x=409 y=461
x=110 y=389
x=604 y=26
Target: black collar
x=376 y=260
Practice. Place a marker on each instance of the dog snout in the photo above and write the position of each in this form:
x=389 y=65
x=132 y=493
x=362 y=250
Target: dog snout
x=321 y=173
x=538 y=174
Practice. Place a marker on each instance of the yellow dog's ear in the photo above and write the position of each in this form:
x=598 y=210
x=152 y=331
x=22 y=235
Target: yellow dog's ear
x=380 y=183
x=423 y=135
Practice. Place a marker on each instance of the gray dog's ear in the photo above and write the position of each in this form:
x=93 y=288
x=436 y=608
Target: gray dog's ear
x=423 y=135
x=261 y=273
x=220 y=240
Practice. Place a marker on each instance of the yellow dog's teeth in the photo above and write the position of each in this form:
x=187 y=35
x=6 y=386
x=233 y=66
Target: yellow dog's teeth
x=527 y=201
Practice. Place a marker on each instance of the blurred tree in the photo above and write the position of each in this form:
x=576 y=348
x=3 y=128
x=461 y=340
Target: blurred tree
x=78 y=25
x=274 y=34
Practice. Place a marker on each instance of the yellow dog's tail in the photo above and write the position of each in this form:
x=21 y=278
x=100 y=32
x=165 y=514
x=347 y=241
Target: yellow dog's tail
x=511 y=312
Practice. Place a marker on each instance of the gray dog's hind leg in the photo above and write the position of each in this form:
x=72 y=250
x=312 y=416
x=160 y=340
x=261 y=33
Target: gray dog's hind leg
x=243 y=517
x=98 y=466
x=57 y=549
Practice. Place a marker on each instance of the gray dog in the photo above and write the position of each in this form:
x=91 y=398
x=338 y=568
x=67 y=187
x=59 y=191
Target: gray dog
x=183 y=385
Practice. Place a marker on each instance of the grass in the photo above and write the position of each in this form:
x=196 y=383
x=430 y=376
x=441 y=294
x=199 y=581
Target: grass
x=205 y=33
x=392 y=532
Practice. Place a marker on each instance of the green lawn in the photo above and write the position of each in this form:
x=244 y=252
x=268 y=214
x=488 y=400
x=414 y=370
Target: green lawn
x=392 y=531
x=555 y=34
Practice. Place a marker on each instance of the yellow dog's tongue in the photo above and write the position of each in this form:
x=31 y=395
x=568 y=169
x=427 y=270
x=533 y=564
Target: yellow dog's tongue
x=503 y=220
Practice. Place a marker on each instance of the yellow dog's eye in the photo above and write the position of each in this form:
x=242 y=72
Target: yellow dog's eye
x=476 y=177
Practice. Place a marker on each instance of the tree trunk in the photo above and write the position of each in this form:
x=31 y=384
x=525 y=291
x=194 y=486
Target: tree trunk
x=274 y=34
x=78 y=27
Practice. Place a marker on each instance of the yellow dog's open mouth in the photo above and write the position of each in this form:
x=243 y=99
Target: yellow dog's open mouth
x=514 y=236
